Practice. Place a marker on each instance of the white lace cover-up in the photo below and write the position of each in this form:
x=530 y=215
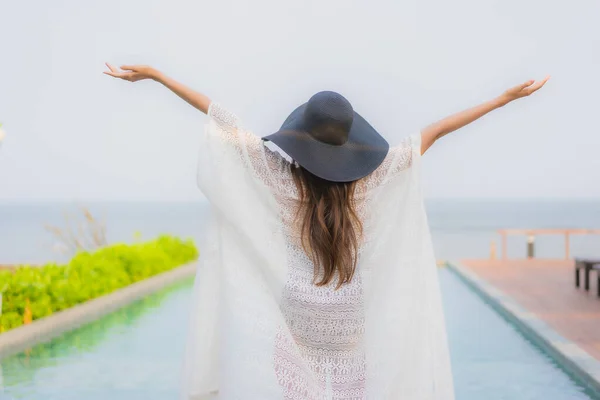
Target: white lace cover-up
x=287 y=338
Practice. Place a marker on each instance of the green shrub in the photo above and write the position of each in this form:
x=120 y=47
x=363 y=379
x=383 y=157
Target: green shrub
x=51 y=288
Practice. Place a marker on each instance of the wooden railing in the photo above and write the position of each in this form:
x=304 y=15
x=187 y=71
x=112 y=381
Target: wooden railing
x=532 y=233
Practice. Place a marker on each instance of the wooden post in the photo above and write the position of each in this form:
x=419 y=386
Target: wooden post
x=530 y=246
x=504 y=255
x=567 y=252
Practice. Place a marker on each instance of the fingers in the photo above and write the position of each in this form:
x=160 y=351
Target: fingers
x=129 y=68
x=128 y=76
x=115 y=73
x=524 y=85
x=543 y=81
x=518 y=90
x=112 y=69
x=537 y=86
x=131 y=73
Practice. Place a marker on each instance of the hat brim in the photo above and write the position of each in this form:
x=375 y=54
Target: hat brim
x=362 y=153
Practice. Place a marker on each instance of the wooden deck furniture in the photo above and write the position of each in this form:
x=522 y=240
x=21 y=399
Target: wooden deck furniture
x=587 y=266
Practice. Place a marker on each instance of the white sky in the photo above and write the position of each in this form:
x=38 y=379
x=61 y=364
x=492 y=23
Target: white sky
x=75 y=134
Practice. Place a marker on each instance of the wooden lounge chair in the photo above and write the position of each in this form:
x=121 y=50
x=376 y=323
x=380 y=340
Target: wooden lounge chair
x=587 y=266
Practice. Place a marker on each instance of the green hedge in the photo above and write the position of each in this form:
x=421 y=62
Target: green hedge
x=51 y=288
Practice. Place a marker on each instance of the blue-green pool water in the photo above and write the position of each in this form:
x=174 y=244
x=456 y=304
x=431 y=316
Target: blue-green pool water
x=136 y=353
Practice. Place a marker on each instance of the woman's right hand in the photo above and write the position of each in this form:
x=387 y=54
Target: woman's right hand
x=132 y=73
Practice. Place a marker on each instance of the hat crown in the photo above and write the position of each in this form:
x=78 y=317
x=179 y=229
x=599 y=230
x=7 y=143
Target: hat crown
x=328 y=117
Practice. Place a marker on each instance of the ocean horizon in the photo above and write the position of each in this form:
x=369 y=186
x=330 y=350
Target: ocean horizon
x=461 y=228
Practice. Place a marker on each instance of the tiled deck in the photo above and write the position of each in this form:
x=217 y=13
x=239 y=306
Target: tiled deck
x=547 y=289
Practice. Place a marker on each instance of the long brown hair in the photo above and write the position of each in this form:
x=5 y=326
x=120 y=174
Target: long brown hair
x=330 y=227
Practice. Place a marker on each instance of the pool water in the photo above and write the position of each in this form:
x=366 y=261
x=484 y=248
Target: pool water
x=491 y=359
x=136 y=354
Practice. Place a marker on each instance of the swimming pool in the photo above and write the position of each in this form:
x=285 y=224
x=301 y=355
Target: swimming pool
x=136 y=353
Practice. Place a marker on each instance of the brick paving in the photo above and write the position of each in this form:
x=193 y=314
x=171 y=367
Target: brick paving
x=547 y=289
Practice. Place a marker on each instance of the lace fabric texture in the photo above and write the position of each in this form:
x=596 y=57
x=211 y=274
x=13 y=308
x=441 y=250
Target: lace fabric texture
x=260 y=328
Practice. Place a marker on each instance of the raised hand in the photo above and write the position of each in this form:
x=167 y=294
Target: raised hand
x=132 y=73
x=523 y=90
x=456 y=121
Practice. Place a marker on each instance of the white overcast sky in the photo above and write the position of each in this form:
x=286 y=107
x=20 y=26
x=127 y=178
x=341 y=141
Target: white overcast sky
x=75 y=134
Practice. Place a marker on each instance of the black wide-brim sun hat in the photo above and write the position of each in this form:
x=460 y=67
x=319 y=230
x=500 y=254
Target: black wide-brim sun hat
x=330 y=140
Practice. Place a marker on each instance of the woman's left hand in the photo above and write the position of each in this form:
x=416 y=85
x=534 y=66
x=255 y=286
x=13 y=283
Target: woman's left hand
x=522 y=90
x=132 y=73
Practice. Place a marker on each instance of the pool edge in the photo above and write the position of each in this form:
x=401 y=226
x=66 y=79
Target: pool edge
x=45 y=329
x=576 y=361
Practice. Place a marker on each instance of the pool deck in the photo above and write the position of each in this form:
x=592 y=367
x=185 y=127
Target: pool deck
x=541 y=297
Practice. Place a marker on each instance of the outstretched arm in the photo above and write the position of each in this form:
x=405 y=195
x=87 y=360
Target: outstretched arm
x=456 y=121
x=134 y=73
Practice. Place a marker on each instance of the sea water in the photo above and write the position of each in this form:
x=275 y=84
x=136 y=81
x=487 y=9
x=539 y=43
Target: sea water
x=460 y=228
